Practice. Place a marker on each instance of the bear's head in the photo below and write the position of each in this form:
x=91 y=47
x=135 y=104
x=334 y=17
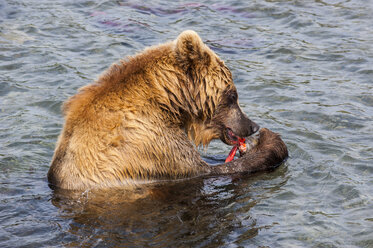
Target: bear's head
x=212 y=108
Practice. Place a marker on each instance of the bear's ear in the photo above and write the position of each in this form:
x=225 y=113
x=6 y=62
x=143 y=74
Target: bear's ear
x=190 y=49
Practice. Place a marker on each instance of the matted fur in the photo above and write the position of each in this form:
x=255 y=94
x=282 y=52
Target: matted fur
x=137 y=121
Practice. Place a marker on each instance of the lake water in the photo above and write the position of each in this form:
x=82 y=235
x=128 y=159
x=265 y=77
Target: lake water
x=302 y=68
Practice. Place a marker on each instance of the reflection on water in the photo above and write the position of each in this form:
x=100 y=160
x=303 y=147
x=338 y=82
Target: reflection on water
x=302 y=68
x=205 y=210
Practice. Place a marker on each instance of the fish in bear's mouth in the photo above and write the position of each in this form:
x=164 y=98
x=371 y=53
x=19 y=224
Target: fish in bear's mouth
x=237 y=142
x=231 y=137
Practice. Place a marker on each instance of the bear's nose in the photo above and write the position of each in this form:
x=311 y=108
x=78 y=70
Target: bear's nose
x=254 y=127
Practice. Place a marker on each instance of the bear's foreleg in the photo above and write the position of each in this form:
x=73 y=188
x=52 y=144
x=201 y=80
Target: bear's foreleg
x=266 y=153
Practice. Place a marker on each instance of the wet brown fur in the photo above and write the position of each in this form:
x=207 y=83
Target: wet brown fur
x=137 y=120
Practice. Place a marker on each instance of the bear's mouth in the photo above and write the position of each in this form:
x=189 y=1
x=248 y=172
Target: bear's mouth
x=230 y=138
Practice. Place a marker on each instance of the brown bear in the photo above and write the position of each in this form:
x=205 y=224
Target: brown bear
x=139 y=120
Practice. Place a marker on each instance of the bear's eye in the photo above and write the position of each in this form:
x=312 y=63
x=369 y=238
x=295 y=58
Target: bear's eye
x=232 y=97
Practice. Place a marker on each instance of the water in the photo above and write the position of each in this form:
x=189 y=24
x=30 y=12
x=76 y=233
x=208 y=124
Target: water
x=302 y=68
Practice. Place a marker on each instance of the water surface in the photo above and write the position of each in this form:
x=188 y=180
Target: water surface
x=302 y=68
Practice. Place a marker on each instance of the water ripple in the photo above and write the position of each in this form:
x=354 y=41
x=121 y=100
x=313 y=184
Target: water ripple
x=302 y=68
